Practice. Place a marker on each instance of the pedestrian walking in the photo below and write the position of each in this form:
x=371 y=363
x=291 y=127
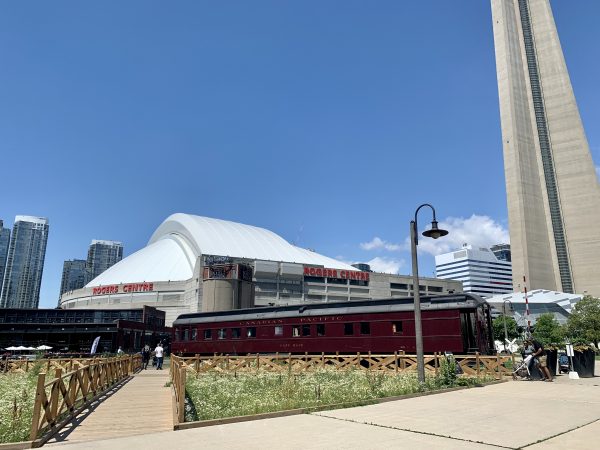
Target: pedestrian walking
x=145 y=356
x=119 y=351
x=158 y=352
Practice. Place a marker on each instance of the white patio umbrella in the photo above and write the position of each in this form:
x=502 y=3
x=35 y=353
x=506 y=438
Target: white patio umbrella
x=21 y=347
x=30 y=348
x=44 y=347
x=11 y=348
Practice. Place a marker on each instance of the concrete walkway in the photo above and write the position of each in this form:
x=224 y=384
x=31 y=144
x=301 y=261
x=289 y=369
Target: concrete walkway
x=513 y=415
x=141 y=406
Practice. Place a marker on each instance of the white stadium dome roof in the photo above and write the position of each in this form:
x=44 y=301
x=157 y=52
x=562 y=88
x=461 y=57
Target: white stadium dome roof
x=174 y=247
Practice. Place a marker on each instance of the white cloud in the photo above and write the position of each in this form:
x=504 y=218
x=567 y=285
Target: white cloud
x=377 y=243
x=478 y=231
x=386 y=265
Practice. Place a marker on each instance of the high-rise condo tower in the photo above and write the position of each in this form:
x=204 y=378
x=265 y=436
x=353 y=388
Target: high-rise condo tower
x=552 y=190
x=25 y=263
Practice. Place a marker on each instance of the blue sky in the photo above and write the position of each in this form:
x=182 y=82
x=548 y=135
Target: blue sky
x=326 y=122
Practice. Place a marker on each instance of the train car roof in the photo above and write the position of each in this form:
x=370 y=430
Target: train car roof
x=428 y=303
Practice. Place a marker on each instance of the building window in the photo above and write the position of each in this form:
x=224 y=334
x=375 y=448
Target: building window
x=314 y=280
x=236 y=333
x=365 y=328
x=436 y=289
x=320 y=329
x=278 y=330
x=194 y=334
x=397 y=327
x=295 y=331
x=207 y=334
x=251 y=332
x=221 y=334
x=401 y=286
x=305 y=330
x=348 y=329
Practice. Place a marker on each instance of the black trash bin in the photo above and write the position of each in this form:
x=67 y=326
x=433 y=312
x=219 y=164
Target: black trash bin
x=552 y=361
x=584 y=363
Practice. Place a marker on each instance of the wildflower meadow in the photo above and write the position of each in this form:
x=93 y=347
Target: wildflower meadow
x=218 y=395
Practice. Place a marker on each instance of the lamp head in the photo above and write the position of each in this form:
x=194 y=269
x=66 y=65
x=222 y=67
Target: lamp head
x=435 y=232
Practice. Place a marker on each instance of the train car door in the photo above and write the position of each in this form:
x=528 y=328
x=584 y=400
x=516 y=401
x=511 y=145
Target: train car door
x=468 y=327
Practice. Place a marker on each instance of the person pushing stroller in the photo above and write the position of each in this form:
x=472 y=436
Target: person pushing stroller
x=539 y=355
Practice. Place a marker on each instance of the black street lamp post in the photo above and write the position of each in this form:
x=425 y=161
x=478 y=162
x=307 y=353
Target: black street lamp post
x=434 y=233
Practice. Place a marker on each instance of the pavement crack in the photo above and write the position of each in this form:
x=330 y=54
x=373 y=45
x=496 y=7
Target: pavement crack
x=417 y=432
x=559 y=434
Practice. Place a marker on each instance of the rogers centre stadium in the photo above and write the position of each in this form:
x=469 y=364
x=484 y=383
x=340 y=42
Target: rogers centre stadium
x=194 y=264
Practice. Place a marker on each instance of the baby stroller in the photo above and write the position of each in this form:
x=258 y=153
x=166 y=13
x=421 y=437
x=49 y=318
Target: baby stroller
x=522 y=371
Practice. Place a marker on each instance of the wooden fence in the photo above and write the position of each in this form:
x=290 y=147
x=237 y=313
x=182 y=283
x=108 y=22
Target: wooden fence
x=62 y=397
x=46 y=364
x=472 y=365
x=178 y=370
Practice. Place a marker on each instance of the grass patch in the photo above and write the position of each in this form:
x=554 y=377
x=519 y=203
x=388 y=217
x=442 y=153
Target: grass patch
x=17 y=395
x=217 y=396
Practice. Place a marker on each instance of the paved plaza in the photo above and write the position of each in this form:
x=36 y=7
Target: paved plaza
x=514 y=414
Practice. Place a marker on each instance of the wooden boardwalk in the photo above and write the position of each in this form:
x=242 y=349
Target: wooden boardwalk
x=141 y=405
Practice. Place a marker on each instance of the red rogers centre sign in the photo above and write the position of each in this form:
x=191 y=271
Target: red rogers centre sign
x=335 y=273
x=123 y=289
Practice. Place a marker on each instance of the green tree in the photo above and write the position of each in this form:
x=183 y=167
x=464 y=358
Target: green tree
x=583 y=325
x=548 y=331
x=511 y=328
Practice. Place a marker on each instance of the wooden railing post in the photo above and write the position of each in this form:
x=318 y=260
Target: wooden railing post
x=396 y=362
x=37 y=406
x=477 y=363
x=181 y=407
x=498 y=365
x=54 y=396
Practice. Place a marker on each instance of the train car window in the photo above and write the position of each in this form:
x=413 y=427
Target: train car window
x=305 y=330
x=295 y=331
x=221 y=333
x=278 y=330
x=251 y=332
x=186 y=335
x=320 y=329
x=177 y=334
x=397 y=327
x=194 y=334
x=207 y=334
x=348 y=329
x=365 y=328
x=236 y=333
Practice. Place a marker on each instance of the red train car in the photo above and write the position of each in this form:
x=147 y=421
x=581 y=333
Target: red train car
x=460 y=323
